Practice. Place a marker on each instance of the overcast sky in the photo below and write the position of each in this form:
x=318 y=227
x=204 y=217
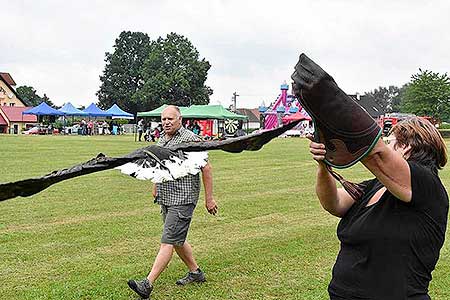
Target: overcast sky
x=58 y=47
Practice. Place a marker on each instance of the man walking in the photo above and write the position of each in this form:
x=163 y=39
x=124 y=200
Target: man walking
x=140 y=128
x=178 y=200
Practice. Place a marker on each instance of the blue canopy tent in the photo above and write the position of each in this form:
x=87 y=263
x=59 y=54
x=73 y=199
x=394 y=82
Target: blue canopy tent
x=43 y=109
x=69 y=110
x=93 y=111
x=118 y=113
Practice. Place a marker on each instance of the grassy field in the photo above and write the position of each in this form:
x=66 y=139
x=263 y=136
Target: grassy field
x=85 y=237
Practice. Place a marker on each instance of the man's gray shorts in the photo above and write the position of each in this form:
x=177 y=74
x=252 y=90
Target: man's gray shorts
x=177 y=219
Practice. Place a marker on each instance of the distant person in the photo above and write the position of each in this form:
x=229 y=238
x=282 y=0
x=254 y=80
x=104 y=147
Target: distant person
x=148 y=134
x=90 y=128
x=196 y=128
x=156 y=133
x=177 y=200
x=140 y=129
x=49 y=129
x=240 y=132
x=105 y=127
x=83 y=125
x=114 y=128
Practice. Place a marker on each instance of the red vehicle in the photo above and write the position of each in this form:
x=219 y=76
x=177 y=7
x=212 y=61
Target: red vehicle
x=387 y=121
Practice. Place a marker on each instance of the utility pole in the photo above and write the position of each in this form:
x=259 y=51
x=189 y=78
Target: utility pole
x=235 y=95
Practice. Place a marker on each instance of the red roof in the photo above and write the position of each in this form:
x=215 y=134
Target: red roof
x=14 y=114
x=7 y=78
x=2 y=121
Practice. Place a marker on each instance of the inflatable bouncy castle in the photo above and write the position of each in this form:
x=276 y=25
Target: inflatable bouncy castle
x=284 y=109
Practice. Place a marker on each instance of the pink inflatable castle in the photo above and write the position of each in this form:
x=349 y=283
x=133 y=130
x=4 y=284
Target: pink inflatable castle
x=286 y=107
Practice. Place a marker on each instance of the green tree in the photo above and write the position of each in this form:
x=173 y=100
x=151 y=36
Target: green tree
x=122 y=77
x=396 y=101
x=428 y=94
x=174 y=74
x=30 y=96
x=385 y=97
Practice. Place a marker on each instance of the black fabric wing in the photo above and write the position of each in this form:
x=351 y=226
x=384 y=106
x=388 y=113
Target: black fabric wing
x=251 y=142
x=152 y=155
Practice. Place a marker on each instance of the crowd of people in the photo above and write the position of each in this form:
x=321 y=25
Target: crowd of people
x=94 y=127
x=149 y=132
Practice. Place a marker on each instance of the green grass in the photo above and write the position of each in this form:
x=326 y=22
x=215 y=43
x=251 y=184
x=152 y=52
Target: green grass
x=85 y=237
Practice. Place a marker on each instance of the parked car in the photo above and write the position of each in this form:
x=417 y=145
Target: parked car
x=33 y=130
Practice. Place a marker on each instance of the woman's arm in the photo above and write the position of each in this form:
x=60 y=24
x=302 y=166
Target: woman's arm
x=391 y=169
x=334 y=200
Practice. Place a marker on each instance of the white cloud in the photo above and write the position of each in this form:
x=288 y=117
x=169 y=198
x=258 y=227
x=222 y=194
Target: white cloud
x=58 y=47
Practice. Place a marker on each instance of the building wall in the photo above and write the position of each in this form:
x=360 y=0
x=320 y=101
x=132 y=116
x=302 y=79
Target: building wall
x=10 y=128
x=4 y=128
x=252 y=125
x=8 y=97
x=20 y=126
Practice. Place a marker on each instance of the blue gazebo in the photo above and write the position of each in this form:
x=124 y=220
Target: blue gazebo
x=43 y=109
x=69 y=110
x=117 y=113
x=93 y=111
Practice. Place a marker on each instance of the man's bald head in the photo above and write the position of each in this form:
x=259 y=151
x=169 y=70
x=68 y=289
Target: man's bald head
x=171 y=120
x=171 y=108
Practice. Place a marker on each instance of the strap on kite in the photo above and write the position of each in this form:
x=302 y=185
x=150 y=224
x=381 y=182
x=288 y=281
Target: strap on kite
x=355 y=190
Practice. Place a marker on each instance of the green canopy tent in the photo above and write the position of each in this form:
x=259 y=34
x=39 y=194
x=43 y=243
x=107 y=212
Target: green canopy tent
x=210 y=112
x=152 y=113
x=202 y=112
x=227 y=120
x=197 y=112
x=157 y=111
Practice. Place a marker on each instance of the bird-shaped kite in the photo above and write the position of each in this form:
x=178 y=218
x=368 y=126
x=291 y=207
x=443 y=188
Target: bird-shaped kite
x=152 y=162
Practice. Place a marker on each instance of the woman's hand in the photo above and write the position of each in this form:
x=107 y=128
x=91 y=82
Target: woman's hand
x=317 y=150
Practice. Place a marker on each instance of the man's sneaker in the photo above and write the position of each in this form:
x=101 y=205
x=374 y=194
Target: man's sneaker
x=197 y=276
x=143 y=288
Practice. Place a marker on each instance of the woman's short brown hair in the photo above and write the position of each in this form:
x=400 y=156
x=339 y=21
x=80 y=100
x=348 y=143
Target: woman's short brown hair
x=427 y=145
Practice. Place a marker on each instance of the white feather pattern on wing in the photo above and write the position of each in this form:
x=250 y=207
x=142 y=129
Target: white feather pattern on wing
x=173 y=168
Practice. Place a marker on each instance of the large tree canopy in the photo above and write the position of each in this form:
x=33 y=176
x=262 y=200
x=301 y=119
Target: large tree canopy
x=30 y=96
x=428 y=94
x=174 y=74
x=142 y=74
x=122 y=77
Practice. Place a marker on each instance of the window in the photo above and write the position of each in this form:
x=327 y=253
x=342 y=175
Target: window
x=11 y=104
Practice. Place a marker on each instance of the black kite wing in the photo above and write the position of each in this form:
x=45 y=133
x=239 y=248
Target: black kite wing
x=151 y=162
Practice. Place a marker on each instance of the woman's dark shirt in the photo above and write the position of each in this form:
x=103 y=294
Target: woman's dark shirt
x=389 y=249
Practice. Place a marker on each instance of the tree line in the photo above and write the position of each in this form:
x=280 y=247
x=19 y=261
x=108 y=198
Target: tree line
x=427 y=94
x=141 y=74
